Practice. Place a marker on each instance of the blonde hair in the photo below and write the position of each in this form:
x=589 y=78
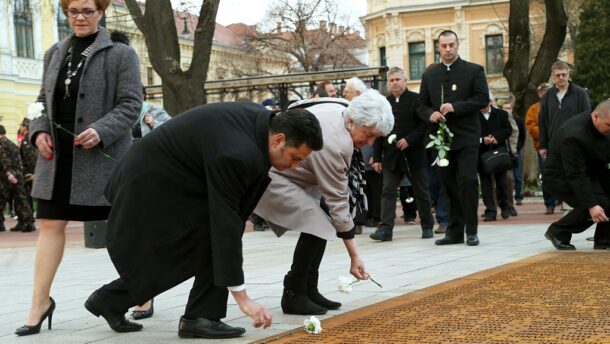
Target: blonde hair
x=101 y=5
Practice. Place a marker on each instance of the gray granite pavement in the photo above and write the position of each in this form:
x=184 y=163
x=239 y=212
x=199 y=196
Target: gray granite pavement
x=406 y=264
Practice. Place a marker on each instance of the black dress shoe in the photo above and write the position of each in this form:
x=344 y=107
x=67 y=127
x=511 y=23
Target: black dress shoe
x=513 y=211
x=489 y=218
x=427 y=233
x=29 y=227
x=381 y=235
x=206 y=328
x=116 y=321
x=139 y=315
x=447 y=240
x=558 y=243
x=472 y=240
x=27 y=330
x=505 y=213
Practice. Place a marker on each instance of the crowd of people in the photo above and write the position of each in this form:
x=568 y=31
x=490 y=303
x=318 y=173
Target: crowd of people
x=324 y=167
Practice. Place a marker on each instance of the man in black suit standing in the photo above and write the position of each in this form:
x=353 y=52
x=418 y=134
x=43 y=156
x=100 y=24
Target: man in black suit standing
x=495 y=130
x=208 y=168
x=405 y=155
x=577 y=171
x=455 y=91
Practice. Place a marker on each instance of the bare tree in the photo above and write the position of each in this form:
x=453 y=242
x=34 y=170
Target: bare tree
x=523 y=80
x=182 y=89
x=307 y=31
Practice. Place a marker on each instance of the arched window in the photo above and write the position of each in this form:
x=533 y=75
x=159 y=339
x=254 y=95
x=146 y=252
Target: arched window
x=63 y=27
x=22 y=18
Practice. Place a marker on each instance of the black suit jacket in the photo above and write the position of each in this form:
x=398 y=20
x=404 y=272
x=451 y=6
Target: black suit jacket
x=465 y=87
x=182 y=194
x=409 y=126
x=577 y=161
x=497 y=126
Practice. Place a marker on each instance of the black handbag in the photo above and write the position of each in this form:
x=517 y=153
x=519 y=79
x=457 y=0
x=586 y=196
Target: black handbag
x=496 y=160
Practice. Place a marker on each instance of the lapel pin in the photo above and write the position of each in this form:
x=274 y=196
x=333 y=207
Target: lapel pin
x=454 y=87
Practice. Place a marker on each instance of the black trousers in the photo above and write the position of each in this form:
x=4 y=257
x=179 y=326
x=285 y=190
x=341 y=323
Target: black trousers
x=578 y=219
x=487 y=190
x=460 y=181
x=419 y=181
x=308 y=255
x=206 y=300
x=374 y=185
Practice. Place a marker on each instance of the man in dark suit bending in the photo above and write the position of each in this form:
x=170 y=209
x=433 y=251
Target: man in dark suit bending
x=455 y=91
x=577 y=171
x=207 y=167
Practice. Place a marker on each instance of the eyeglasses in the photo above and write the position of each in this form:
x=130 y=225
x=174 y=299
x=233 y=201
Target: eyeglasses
x=73 y=12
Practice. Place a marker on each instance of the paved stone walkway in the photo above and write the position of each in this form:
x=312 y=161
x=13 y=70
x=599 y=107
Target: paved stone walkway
x=404 y=265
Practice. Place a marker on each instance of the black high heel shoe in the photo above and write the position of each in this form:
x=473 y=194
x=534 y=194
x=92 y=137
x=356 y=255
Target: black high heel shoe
x=139 y=315
x=27 y=330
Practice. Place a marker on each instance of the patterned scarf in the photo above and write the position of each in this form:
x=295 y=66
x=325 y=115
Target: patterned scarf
x=357 y=198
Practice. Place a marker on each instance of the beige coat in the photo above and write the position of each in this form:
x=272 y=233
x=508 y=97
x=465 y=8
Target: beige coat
x=292 y=200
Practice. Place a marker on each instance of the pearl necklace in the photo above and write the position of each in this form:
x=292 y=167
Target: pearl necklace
x=71 y=73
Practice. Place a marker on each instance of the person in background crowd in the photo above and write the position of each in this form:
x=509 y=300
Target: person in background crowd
x=562 y=101
x=271 y=104
x=515 y=140
x=455 y=91
x=531 y=123
x=404 y=156
x=12 y=187
x=577 y=172
x=28 y=154
x=329 y=88
x=92 y=88
x=495 y=131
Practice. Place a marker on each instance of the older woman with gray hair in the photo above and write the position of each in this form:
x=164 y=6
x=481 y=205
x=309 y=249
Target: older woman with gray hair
x=353 y=88
x=313 y=198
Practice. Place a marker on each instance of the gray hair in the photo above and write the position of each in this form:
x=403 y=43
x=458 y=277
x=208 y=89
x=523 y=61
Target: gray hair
x=395 y=70
x=371 y=109
x=356 y=84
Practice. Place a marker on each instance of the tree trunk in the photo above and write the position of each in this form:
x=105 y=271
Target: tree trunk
x=523 y=81
x=182 y=90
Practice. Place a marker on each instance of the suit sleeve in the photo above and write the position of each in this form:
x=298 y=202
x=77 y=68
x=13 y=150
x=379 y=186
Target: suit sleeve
x=42 y=124
x=417 y=137
x=227 y=180
x=330 y=169
x=424 y=104
x=479 y=98
x=573 y=159
x=543 y=139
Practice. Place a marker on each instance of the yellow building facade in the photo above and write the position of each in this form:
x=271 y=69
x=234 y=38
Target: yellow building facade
x=21 y=58
x=404 y=33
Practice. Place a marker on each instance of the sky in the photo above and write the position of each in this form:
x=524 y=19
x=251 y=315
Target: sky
x=253 y=11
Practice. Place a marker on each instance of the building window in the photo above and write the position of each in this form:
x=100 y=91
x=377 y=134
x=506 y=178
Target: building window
x=382 y=57
x=494 y=53
x=437 y=52
x=63 y=27
x=417 y=60
x=22 y=17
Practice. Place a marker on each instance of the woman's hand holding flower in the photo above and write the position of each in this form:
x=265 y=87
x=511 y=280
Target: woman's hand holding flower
x=44 y=144
x=88 y=139
x=357 y=268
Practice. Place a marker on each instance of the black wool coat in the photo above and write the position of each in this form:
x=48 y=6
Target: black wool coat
x=409 y=126
x=577 y=166
x=182 y=195
x=497 y=126
x=465 y=87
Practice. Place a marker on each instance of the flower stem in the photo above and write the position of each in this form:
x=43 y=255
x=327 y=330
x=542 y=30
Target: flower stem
x=95 y=149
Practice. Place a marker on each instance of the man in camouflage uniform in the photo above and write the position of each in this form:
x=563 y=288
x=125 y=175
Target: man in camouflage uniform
x=28 y=153
x=11 y=185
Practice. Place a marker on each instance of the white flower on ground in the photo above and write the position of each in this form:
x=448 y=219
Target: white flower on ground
x=35 y=110
x=392 y=139
x=443 y=162
x=312 y=325
x=345 y=285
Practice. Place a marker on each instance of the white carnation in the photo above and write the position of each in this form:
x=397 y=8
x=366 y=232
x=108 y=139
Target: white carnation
x=312 y=325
